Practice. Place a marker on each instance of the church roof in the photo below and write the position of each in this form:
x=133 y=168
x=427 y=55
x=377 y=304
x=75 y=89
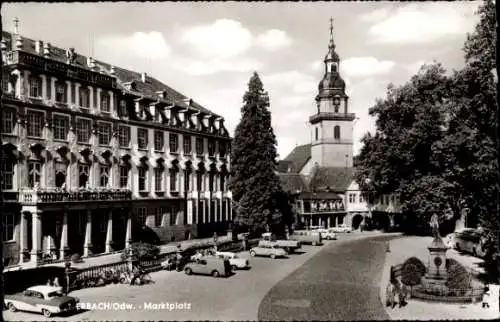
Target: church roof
x=296 y=160
x=148 y=89
x=293 y=182
x=335 y=179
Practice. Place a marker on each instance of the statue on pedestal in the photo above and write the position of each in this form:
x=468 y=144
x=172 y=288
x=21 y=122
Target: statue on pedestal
x=434 y=223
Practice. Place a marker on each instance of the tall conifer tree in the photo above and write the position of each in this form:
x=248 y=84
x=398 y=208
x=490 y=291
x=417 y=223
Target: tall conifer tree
x=259 y=201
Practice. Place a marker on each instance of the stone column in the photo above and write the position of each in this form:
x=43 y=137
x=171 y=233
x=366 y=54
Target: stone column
x=52 y=88
x=68 y=92
x=36 y=250
x=77 y=94
x=128 y=235
x=18 y=85
x=23 y=237
x=203 y=211
x=87 y=246
x=44 y=87
x=64 y=249
x=336 y=221
x=91 y=97
x=391 y=220
x=328 y=221
x=112 y=104
x=189 y=212
x=25 y=89
x=98 y=101
x=109 y=233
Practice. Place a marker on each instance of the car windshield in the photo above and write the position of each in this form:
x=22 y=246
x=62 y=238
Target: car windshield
x=234 y=256
x=54 y=294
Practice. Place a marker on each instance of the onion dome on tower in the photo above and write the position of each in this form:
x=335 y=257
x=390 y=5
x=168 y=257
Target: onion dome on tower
x=331 y=84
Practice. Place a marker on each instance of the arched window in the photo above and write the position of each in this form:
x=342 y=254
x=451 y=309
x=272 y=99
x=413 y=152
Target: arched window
x=336 y=132
x=60 y=169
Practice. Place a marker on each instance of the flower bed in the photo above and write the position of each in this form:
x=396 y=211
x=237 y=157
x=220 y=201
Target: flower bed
x=470 y=295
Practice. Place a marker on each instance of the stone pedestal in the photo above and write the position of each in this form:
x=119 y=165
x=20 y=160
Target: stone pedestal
x=436 y=268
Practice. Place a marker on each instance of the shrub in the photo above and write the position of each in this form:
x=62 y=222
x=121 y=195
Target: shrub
x=142 y=251
x=412 y=272
x=76 y=258
x=458 y=276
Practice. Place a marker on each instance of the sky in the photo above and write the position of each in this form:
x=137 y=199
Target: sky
x=209 y=50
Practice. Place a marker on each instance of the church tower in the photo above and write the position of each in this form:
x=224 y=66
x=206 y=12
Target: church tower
x=332 y=125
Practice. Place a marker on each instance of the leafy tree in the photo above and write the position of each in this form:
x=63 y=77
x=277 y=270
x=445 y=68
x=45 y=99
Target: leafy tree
x=399 y=157
x=260 y=201
x=412 y=272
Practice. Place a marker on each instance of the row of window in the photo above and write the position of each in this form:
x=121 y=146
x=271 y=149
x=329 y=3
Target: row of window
x=35 y=125
x=60 y=170
x=336 y=133
x=104 y=97
x=384 y=200
x=352 y=198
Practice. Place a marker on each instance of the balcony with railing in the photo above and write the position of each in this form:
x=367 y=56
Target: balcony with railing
x=51 y=195
x=332 y=117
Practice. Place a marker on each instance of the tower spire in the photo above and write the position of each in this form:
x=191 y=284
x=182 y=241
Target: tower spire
x=16 y=25
x=331 y=45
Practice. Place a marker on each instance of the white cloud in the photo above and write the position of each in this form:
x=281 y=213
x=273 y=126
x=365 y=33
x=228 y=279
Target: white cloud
x=365 y=66
x=224 y=38
x=423 y=23
x=198 y=67
x=413 y=68
x=143 y=44
x=375 y=15
x=273 y=39
x=317 y=65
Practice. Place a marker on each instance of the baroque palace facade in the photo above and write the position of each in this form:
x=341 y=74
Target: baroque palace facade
x=95 y=157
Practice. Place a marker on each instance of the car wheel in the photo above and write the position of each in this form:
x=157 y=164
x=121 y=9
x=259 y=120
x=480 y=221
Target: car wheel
x=46 y=313
x=215 y=274
x=252 y=253
x=234 y=267
x=188 y=271
x=273 y=256
x=11 y=307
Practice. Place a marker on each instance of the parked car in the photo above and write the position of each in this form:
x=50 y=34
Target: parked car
x=342 y=229
x=327 y=234
x=44 y=299
x=307 y=237
x=470 y=240
x=214 y=266
x=272 y=251
x=269 y=239
x=235 y=261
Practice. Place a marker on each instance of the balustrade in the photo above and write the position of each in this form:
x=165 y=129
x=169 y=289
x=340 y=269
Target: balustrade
x=51 y=196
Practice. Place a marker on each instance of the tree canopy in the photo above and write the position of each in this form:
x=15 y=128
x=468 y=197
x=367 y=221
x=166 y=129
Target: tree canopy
x=435 y=143
x=259 y=200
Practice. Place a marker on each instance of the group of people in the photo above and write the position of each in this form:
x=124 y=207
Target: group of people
x=54 y=282
x=396 y=293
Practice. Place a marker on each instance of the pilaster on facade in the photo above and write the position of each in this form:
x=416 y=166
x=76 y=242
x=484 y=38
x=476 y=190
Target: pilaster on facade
x=23 y=236
x=36 y=238
x=44 y=87
x=69 y=93
x=64 y=249
x=87 y=246
x=25 y=89
x=52 y=97
x=98 y=101
x=77 y=94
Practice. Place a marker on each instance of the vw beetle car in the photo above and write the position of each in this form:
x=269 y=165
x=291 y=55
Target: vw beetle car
x=235 y=261
x=44 y=299
x=268 y=250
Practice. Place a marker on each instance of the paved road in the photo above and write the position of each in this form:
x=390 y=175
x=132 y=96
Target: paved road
x=339 y=283
x=235 y=298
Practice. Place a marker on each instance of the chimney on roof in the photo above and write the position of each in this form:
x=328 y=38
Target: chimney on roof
x=39 y=47
x=143 y=77
x=46 y=50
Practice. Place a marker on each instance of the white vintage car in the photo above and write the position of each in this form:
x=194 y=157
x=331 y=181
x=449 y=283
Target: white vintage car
x=44 y=299
x=342 y=229
x=328 y=234
x=235 y=261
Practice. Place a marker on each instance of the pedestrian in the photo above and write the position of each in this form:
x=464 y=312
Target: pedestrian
x=49 y=282
x=56 y=282
x=486 y=297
